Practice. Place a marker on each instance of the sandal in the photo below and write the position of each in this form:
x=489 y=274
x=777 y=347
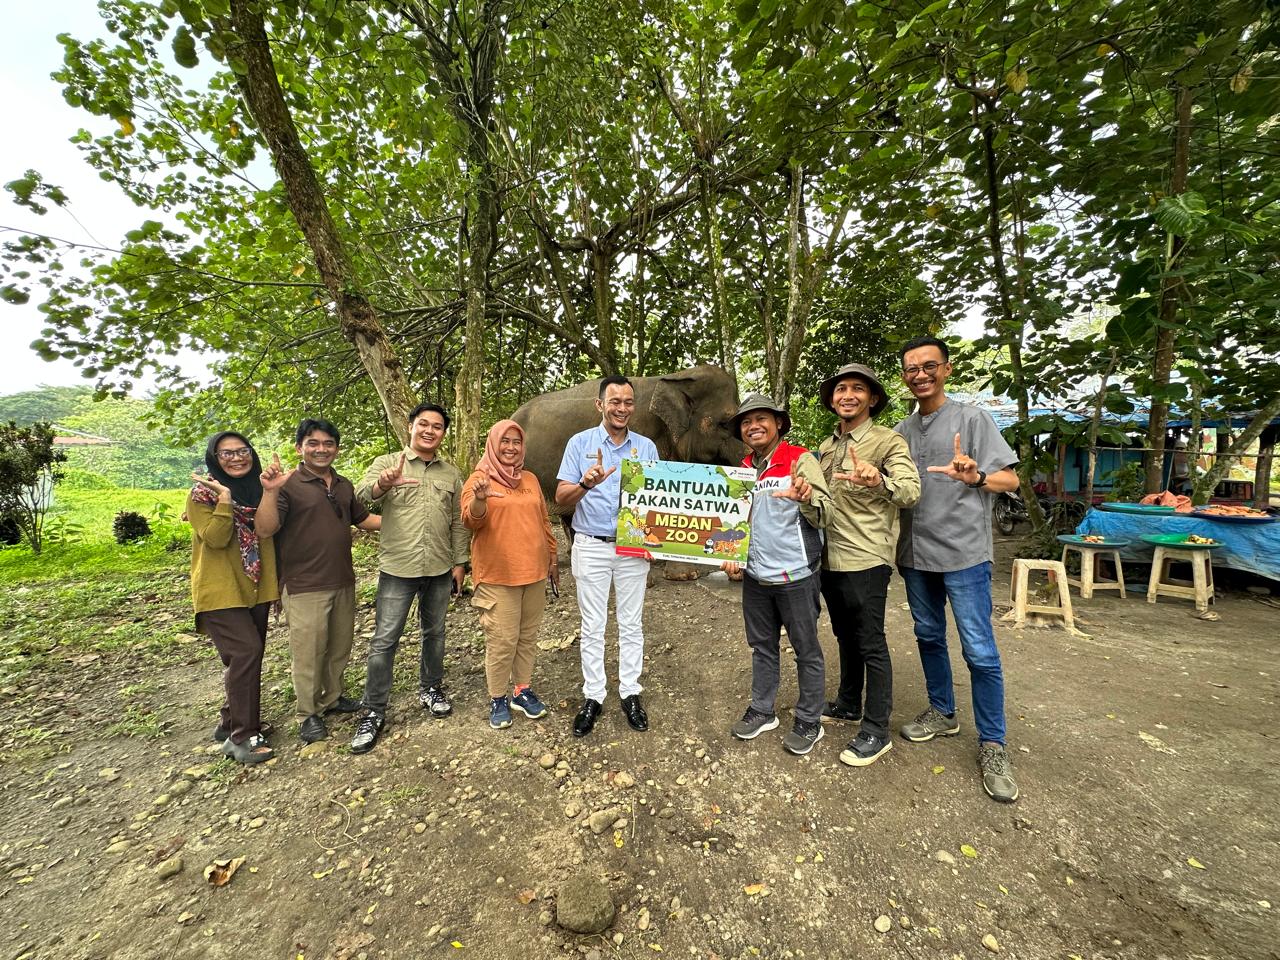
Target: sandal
x=254 y=750
x=221 y=733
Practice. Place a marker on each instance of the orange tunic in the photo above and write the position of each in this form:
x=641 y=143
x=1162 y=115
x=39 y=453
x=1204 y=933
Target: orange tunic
x=512 y=544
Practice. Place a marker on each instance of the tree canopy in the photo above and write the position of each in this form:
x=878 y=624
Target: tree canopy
x=480 y=200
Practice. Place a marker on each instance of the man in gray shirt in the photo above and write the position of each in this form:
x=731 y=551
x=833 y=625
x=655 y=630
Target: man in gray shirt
x=945 y=555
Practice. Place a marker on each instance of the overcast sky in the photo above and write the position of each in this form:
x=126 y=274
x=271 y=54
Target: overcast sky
x=38 y=125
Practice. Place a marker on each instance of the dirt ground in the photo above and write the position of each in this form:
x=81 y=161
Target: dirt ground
x=1149 y=823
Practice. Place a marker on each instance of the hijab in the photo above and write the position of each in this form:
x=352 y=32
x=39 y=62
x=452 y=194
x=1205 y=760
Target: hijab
x=490 y=464
x=246 y=494
x=246 y=490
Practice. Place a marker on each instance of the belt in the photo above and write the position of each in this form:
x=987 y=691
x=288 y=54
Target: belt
x=601 y=539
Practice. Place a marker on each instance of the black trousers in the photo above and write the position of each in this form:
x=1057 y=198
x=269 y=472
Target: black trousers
x=240 y=636
x=855 y=603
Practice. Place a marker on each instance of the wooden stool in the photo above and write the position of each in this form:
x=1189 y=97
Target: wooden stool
x=1088 y=567
x=1019 y=591
x=1201 y=587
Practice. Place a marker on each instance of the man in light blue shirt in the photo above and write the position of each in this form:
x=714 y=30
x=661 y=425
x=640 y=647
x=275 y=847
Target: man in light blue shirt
x=589 y=482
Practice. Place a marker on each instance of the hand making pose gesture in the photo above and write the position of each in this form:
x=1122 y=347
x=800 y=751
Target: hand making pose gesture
x=860 y=472
x=394 y=477
x=800 y=490
x=962 y=467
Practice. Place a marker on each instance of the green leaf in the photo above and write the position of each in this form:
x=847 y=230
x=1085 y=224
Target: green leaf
x=184 y=48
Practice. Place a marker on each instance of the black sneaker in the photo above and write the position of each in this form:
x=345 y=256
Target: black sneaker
x=802 y=737
x=865 y=749
x=343 y=704
x=367 y=729
x=435 y=701
x=754 y=723
x=313 y=729
x=833 y=711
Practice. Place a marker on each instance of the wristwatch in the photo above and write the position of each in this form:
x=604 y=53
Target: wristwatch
x=583 y=485
x=982 y=480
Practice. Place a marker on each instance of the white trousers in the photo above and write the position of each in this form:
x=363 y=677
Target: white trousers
x=595 y=568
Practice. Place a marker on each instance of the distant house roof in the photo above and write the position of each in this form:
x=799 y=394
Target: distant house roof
x=78 y=438
x=1005 y=413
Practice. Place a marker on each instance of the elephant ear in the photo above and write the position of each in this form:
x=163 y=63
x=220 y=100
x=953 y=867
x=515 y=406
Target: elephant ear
x=671 y=404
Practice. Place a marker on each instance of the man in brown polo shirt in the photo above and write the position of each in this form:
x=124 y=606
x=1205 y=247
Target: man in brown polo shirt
x=312 y=510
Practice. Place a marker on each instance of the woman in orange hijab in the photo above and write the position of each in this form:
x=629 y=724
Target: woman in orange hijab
x=512 y=552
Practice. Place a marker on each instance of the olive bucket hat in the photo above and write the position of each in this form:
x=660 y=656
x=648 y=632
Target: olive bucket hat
x=827 y=390
x=758 y=401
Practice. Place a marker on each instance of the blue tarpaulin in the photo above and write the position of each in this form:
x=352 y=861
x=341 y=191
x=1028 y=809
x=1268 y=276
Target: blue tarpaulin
x=1252 y=547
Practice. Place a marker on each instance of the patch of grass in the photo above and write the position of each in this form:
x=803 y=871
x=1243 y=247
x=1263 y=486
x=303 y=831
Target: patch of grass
x=142 y=689
x=138 y=722
x=80 y=542
x=402 y=795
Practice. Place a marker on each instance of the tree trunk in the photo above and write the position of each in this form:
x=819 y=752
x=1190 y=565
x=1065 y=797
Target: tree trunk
x=359 y=322
x=1262 y=473
x=1170 y=289
x=715 y=263
x=1205 y=484
x=1010 y=326
x=1095 y=422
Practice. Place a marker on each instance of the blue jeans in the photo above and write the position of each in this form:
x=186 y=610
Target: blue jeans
x=969 y=592
x=391 y=610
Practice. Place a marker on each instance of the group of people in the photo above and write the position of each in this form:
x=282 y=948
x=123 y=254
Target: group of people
x=835 y=524
x=829 y=525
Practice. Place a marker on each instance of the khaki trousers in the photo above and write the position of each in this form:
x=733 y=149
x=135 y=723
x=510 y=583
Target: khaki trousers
x=510 y=617
x=322 y=626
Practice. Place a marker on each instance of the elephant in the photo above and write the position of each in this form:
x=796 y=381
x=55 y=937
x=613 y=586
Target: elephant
x=686 y=414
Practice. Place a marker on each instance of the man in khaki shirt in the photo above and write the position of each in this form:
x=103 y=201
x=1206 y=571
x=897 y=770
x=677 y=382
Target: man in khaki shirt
x=422 y=552
x=871 y=475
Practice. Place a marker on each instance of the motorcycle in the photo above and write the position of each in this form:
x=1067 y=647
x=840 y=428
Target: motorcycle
x=1010 y=509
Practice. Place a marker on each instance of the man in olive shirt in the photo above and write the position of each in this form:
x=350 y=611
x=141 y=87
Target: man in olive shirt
x=872 y=476
x=313 y=509
x=422 y=552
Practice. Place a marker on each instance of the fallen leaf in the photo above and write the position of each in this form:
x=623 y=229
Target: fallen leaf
x=655 y=948
x=968 y=851
x=1195 y=863
x=752 y=889
x=1155 y=743
x=1111 y=716
x=939 y=768
x=617 y=839
x=456 y=944
x=526 y=896
x=220 y=872
x=321 y=874
x=1003 y=889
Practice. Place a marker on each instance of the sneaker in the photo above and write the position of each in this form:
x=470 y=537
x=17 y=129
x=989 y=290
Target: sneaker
x=435 y=700
x=499 y=713
x=527 y=702
x=367 y=729
x=833 y=711
x=802 y=737
x=313 y=729
x=754 y=723
x=343 y=704
x=865 y=749
x=932 y=723
x=997 y=774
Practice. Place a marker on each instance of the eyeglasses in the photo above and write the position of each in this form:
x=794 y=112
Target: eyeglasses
x=239 y=453
x=333 y=502
x=930 y=368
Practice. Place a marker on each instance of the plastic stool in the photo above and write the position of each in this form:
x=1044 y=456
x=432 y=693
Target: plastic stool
x=1088 y=581
x=1201 y=587
x=1019 y=591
